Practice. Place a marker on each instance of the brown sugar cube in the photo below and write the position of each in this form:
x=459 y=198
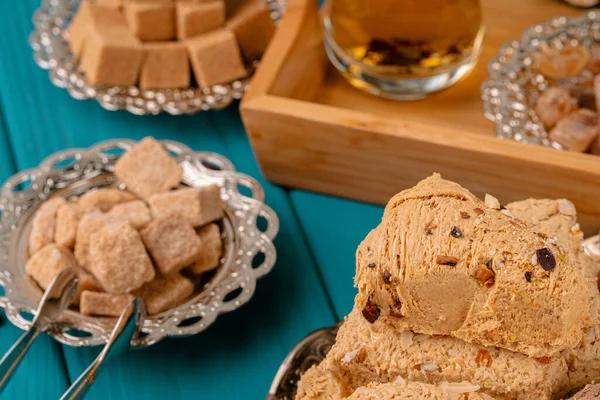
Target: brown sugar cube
x=104 y=199
x=118 y=258
x=46 y=263
x=92 y=16
x=198 y=205
x=104 y=304
x=212 y=248
x=594 y=61
x=165 y=292
x=88 y=224
x=112 y=57
x=86 y=282
x=44 y=222
x=172 y=242
x=150 y=21
x=136 y=212
x=148 y=169
x=166 y=65
x=554 y=104
x=577 y=131
x=211 y=205
x=67 y=220
x=196 y=18
x=253 y=27
x=215 y=58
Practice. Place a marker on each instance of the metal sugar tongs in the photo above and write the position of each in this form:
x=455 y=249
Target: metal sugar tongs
x=119 y=341
x=55 y=300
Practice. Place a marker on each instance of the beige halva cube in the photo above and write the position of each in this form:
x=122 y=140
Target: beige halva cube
x=151 y=20
x=198 y=205
x=118 y=259
x=104 y=304
x=196 y=18
x=172 y=242
x=44 y=222
x=165 y=292
x=148 y=169
x=112 y=57
x=166 y=65
x=92 y=16
x=212 y=248
x=215 y=58
x=253 y=27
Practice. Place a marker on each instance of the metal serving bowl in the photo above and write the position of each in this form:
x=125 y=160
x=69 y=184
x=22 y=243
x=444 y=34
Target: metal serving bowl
x=510 y=93
x=51 y=51
x=248 y=251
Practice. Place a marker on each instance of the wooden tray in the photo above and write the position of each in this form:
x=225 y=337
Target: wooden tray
x=310 y=129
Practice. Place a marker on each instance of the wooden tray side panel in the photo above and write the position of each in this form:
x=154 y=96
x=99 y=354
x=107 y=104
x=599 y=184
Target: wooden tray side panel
x=367 y=163
x=299 y=38
x=325 y=137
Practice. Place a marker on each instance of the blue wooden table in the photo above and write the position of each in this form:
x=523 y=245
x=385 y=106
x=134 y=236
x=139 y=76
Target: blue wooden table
x=310 y=286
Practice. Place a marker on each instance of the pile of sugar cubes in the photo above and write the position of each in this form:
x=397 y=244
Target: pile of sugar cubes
x=152 y=42
x=154 y=240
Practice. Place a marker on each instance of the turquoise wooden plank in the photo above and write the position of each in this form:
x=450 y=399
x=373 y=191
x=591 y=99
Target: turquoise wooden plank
x=289 y=302
x=233 y=133
x=43 y=365
x=334 y=228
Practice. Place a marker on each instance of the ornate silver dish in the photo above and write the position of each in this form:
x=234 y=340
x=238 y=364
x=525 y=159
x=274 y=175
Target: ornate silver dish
x=513 y=87
x=310 y=351
x=314 y=348
x=248 y=251
x=51 y=51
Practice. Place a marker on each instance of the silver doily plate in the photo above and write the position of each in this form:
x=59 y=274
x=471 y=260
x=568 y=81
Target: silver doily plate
x=51 y=51
x=314 y=348
x=310 y=351
x=248 y=251
x=510 y=93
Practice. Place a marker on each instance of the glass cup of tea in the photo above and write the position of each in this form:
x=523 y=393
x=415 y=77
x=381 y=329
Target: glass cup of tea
x=403 y=49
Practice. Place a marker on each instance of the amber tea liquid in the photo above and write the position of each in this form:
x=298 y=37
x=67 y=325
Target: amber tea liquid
x=403 y=49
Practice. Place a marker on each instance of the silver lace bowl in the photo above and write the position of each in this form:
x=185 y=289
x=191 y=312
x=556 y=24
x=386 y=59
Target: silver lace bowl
x=314 y=348
x=51 y=51
x=248 y=251
x=510 y=93
x=310 y=351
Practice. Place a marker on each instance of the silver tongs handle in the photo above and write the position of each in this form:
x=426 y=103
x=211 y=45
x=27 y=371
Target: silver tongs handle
x=120 y=340
x=15 y=354
x=56 y=299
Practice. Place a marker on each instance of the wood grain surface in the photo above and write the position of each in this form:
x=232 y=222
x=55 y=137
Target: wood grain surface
x=351 y=144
